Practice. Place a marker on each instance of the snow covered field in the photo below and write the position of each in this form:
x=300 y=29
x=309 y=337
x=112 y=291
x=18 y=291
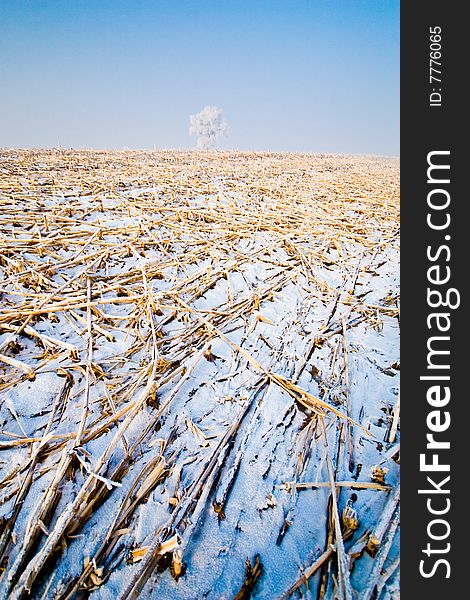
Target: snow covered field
x=199 y=375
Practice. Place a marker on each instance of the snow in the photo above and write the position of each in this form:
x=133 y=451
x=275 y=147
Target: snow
x=272 y=444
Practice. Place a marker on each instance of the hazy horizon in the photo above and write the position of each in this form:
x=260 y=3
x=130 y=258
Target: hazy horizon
x=300 y=76
x=60 y=148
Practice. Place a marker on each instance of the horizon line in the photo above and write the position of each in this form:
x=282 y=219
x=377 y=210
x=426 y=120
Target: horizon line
x=194 y=151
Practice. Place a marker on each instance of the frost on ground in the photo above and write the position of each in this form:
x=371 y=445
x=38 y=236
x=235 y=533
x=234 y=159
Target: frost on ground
x=199 y=366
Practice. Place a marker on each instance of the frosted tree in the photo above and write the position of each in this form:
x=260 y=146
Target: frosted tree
x=208 y=125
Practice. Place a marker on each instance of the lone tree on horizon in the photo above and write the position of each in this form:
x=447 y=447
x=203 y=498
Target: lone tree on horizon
x=208 y=125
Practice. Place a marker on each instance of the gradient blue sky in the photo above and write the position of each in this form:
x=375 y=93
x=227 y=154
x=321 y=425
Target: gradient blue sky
x=313 y=75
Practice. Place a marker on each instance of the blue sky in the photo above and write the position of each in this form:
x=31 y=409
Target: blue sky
x=290 y=75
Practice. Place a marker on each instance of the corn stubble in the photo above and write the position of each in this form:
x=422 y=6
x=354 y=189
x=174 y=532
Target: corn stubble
x=154 y=294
